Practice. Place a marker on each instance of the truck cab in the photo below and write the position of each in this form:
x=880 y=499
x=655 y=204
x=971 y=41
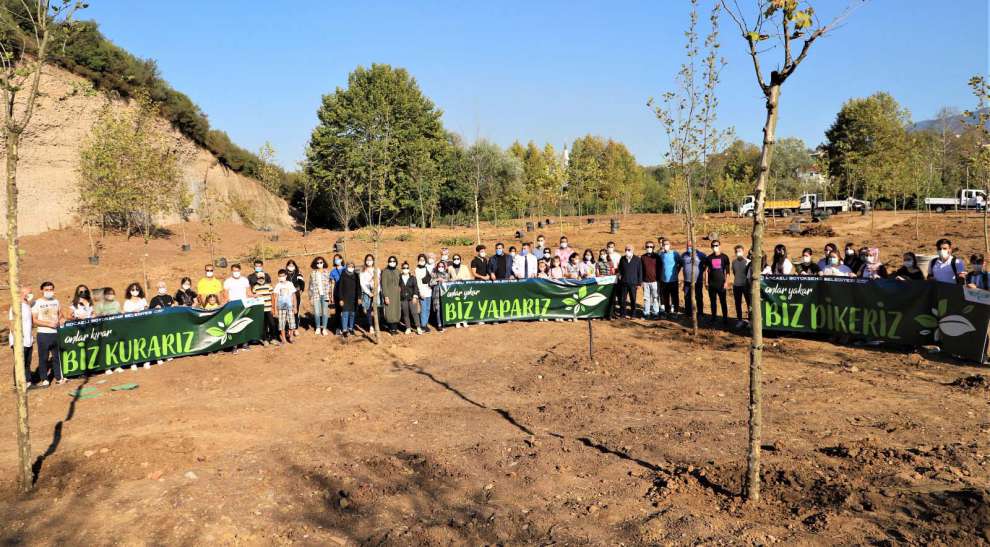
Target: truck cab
x=972 y=199
x=748 y=206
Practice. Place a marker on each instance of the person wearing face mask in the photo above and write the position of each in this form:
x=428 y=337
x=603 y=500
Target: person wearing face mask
x=872 y=268
x=807 y=266
x=347 y=293
x=741 y=285
x=27 y=342
x=207 y=285
x=262 y=289
x=320 y=293
x=630 y=276
x=651 y=295
x=392 y=295
x=408 y=300
x=369 y=274
x=162 y=299
x=423 y=275
x=445 y=256
x=614 y=256
x=439 y=277
x=946 y=268
x=524 y=265
x=83 y=291
x=835 y=267
x=540 y=250
x=781 y=265
x=563 y=250
x=285 y=299
x=851 y=258
x=336 y=268
x=586 y=268
x=259 y=274
x=134 y=302
x=604 y=266
x=500 y=265
x=458 y=270
x=829 y=247
x=691 y=266
x=715 y=268
x=46 y=314
x=977 y=278
x=296 y=277
x=909 y=269
x=668 y=267
x=110 y=304
x=185 y=295
x=480 y=265
x=236 y=287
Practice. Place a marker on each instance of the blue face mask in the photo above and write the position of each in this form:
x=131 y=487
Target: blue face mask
x=498 y=252
x=259 y=269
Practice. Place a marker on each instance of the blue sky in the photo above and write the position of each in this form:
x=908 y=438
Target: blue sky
x=543 y=71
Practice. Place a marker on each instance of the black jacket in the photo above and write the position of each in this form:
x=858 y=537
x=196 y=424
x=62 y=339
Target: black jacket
x=408 y=289
x=161 y=301
x=185 y=298
x=348 y=291
x=630 y=270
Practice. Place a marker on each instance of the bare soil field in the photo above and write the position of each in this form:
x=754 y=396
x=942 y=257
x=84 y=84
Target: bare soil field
x=505 y=434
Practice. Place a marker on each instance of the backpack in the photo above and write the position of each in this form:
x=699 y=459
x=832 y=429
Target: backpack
x=955 y=270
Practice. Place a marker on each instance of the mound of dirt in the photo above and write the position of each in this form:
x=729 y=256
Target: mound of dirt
x=975 y=381
x=818 y=230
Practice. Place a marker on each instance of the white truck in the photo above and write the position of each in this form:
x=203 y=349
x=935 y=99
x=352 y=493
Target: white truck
x=968 y=198
x=807 y=203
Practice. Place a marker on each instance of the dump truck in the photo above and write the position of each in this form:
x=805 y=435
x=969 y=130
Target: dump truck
x=807 y=203
x=968 y=198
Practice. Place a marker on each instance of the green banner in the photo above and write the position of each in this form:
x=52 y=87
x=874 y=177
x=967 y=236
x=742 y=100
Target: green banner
x=102 y=343
x=913 y=313
x=525 y=299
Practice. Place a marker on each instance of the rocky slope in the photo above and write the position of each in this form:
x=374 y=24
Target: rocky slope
x=48 y=170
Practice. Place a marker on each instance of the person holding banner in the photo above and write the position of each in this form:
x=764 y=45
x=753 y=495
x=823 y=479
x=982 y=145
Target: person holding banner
x=835 y=267
x=480 y=265
x=781 y=265
x=185 y=296
x=439 y=277
x=978 y=277
x=458 y=270
x=807 y=266
x=630 y=276
x=500 y=265
x=556 y=271
x=207 y=285
x=829 y=248
x=162 y=299
x=604 y=266
x=524 y=266
x=946 y=268
x=909 y=269
x=872 y=268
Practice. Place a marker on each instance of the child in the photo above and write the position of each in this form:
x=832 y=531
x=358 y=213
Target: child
x=212 y=302
x=285 y=300
x=109 y=305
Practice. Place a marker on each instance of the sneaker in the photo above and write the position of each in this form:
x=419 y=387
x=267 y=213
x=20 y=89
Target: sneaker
x=148 y=365
x=44 y=384
x=264 y=342
x=408 y=331
x=419 y=331
x=457 y=325
x=119 y=370
x=134 y=368
x=108 y=372
x=371 y=330
x=160 y=362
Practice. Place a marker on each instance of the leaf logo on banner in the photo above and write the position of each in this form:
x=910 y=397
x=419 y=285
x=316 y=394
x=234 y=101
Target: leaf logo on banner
x=581 y=300
x=949 y=325
x=228 y=327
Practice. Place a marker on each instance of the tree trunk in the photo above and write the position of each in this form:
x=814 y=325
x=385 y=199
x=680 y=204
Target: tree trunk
x=756 y=345
x=375 y=284
x=477 y=221
x=13 y=280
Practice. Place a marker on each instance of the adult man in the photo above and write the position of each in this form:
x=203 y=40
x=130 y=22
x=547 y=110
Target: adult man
x=236 y=286
x=563 y=252
x=691 y=265
x=740 y=285
x=630 y=275
x=46 y=314
x=207 y=285
x=716 y=268
x=651 y=298
x=541 y=248
x=946 y=268
x=668 y=266
x=524 y=266
x=27 y=344
x=500 y=265
x=480 y=267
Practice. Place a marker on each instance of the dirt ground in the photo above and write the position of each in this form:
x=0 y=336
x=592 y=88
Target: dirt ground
x=505 y=434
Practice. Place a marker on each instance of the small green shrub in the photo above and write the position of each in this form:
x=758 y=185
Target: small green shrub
x=264 y=252
x=456 y=241
x=404 y=237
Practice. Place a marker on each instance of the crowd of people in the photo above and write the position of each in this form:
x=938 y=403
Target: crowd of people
x=408 y=295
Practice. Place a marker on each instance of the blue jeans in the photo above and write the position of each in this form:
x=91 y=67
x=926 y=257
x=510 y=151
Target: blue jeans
x=366 y=305
x=424 y=312
x=321 y=312
x=347 y=321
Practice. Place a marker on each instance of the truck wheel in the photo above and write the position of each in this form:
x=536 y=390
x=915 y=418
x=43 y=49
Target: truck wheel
x=940 y=209
x=749 y=214
x=785 y=213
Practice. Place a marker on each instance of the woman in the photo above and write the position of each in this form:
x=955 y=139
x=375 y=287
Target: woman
x=458 y=270
x=296 y=278
x=367 y=279
x=347 y=294
x=781 y=265
x=392 y=294
x=587 y=266
x=185 y=296
x=320 y=292
x=110 y=306
x=835 y=267
x=604 y=266
x=556 y=270
x=872 y=268
x=909 y=269
x=408 y=300
x=81 y=307
x=542 y=269
x=437 y=280
x=135 y=302
x=424 y=269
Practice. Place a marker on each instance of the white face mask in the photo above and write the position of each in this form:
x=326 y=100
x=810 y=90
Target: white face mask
x=369 y=263
x=563 y=244
x=236 y=274
x=871 y=259
x=943 y=253
x=209 y=273
x=431 y=262
x=629 y=254
x=850 y=252
x=135 y=293
x=162 y=290
x=482 y=254
x=291 y=268
x=715 y=249
x=806 y=259
x=739 y=254
x=186 y=287
x=350 y=269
